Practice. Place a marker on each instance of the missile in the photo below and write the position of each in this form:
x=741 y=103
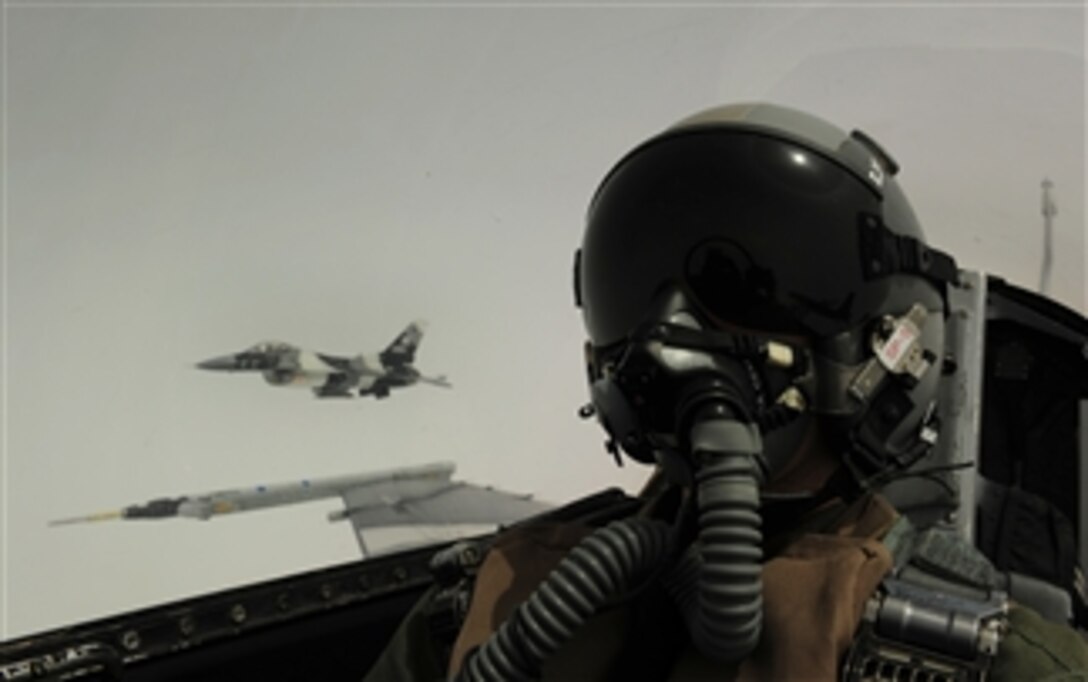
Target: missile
x=408 y=496
x=419 y=481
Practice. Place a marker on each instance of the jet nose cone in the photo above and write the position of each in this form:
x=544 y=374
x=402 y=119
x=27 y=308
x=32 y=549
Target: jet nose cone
x=221 y=363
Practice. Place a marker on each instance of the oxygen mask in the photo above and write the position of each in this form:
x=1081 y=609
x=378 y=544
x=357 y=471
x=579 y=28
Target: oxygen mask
x=674 y=371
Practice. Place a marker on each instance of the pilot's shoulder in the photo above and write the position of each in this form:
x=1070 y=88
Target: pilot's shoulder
x=1041 y=650
x=558 y=530
x=592 y=510
x=1034 y=647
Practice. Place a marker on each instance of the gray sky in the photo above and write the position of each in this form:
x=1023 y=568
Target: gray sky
x=183 y=181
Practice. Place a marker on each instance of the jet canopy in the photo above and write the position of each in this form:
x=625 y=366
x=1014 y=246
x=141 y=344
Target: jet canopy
x=269 y=347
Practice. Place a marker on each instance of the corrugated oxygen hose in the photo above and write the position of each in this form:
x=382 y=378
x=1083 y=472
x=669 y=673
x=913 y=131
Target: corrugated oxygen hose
x=605 y=565
x=718 y=585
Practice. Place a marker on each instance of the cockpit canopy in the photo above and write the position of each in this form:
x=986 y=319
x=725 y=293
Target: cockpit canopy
x=269 y=347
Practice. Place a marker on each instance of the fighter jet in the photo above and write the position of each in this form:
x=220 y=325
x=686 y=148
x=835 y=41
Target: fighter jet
x=331 y=376
x=422 y=496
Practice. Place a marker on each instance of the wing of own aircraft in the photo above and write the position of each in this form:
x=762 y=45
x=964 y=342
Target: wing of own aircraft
x=423 y=496
x=422 y=502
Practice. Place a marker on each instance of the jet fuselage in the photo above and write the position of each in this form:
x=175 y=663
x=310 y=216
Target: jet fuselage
x=282 y=364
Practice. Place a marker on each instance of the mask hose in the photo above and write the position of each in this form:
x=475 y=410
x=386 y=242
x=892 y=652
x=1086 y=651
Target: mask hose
x=718 y=586
x=603 y=566
x=718 y=583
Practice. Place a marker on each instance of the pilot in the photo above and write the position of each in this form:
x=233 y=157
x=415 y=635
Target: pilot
x=766 y=329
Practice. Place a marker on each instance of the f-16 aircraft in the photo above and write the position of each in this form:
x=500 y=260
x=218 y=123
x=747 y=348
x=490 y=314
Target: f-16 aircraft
x=423 y=496
x=331 y=376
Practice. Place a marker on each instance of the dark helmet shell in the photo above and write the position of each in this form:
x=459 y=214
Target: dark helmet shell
x=755 y=211
x=775 y=221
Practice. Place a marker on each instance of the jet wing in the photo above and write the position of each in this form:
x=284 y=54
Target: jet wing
x=422 y=495
x=457 y=502
x=336 y=362
x=450 y=502
x=338 y=385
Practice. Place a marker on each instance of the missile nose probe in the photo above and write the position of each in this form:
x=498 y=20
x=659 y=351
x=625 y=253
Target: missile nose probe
x=160 y=508
x=90 y=518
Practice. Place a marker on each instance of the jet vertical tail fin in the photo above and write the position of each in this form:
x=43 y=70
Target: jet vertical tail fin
x=403 y=349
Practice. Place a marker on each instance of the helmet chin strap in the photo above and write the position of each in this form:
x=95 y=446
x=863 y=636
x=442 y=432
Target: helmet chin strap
x=796 y=442
x=795 y=446
x=780 y=511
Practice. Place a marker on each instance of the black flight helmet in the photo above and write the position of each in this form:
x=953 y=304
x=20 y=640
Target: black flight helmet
x=771 y=220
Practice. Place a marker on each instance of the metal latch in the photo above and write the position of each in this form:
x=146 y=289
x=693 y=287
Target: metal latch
x=911 y=632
